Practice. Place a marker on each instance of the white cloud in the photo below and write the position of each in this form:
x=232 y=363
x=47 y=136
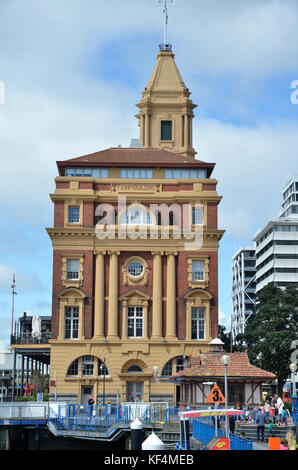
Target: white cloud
x=253 y=164
x=26 y=281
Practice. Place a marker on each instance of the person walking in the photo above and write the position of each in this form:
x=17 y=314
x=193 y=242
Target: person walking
x=90 y=403
x=232 y=424
x=260 y=420
x=266 y=411
x=280 y=405
x=272 y=413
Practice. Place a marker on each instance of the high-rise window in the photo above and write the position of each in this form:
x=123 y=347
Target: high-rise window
x=135 y=322
x=197 y=323
x=72 y=269
x=73 y=214
x=181 y=173
x=88 y=365
x=71 y=325
x=198 y=270
x=197 y=216
x=136 y=173
x=166 y=130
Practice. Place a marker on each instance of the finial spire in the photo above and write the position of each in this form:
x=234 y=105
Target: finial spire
x=165 y=45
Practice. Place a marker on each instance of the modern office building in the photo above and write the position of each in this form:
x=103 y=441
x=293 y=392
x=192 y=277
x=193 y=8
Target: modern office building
x=243 y=288
x=277 y=244
x=135 y=256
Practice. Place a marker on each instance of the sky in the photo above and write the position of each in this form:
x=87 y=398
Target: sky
x=71 y=72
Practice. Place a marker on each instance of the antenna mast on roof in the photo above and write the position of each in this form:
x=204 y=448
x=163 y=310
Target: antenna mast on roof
x=165 y=45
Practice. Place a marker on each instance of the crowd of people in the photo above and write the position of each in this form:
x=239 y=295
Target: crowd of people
x=273 y=413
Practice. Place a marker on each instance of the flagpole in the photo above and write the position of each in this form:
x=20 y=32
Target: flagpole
x=13 y=294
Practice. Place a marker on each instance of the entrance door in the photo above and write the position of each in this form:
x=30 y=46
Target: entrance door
x=87 y=392
x=134 y=391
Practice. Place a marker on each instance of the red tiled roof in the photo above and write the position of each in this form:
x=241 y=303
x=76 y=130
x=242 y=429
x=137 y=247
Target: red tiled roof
x=209 y=365
x=135 y=156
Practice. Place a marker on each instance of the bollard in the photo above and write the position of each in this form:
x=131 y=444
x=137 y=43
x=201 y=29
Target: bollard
x=136 y=428
x=153 y=443
x=184 y=433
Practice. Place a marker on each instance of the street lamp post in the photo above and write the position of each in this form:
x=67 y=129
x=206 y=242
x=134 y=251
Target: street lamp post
x=293 y=368
x=103 y=369
x=225 y=360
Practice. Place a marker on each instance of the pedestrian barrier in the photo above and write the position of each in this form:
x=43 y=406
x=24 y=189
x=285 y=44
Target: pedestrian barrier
x=204 y=433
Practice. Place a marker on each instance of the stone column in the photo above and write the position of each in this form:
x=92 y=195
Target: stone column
x=99 y=296
x=113 y=295
x=171 y=295
x=147 y=130
x=157 y=295
x=186 y=133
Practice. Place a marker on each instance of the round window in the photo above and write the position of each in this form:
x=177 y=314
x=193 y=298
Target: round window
x=135 y=268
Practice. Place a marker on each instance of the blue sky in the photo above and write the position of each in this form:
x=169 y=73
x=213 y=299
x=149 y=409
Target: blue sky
x=73 y=71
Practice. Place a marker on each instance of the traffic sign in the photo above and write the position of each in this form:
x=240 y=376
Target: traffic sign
x=215 y=396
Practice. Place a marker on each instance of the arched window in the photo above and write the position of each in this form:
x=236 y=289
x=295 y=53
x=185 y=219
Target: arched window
x=177 y=364
x=102 y=369
x=73 y=369
x=134 y=368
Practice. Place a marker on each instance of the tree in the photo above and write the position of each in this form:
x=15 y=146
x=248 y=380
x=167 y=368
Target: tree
x=269 y=333
x=225 y=337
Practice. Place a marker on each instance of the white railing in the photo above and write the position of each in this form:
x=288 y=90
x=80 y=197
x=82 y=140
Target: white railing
x=24 y=410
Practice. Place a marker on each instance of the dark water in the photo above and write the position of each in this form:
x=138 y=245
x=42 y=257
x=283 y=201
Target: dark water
x=17 y=438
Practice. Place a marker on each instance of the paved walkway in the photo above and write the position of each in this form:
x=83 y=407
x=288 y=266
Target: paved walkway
x=260 y=445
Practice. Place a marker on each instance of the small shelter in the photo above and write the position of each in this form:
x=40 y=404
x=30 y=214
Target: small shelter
x=205 y=370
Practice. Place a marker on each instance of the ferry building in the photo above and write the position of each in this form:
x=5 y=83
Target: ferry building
x=135 y=294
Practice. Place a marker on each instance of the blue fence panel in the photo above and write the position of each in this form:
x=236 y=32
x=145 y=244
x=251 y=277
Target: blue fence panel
x=205 y=432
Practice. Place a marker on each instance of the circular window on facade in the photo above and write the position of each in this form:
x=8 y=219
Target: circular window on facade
x=135 y=268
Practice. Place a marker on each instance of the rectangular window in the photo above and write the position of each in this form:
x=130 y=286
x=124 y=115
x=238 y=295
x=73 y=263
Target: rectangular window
x=136 y=173
x=166 y=130
x=93 y=172
x=198 y=271
x=135 y=322
x=197 y=323
x=197 y=216
x=88 y=365
x=181 y=173
x=181 y=363
x=73 y=214
x=71 y=325
x=72 y=269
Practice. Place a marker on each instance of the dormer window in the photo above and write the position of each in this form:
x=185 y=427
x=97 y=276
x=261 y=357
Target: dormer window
x=166 y=130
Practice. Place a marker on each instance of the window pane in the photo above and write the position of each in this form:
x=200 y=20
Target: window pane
x=167 y=370
x=197 y=215
x=73 y=214
x=198 y=270
x=72 y=269
x=135 y=268
x=166 y=130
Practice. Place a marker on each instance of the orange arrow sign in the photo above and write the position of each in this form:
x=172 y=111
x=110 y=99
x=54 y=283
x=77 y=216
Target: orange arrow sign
x=215 y=396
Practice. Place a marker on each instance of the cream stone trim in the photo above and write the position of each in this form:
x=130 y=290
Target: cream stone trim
x=99 y=298
x=157 y=295
x=134 y=298
x=129 y=280
x=171 y=295
x=198 y=298
x=71 y=298
x=72 y=282
x=205 y=282
x=76 y=203
x=113 y=295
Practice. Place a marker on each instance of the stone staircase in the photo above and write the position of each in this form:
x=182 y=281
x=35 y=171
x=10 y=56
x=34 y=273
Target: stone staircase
x=250 y=431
